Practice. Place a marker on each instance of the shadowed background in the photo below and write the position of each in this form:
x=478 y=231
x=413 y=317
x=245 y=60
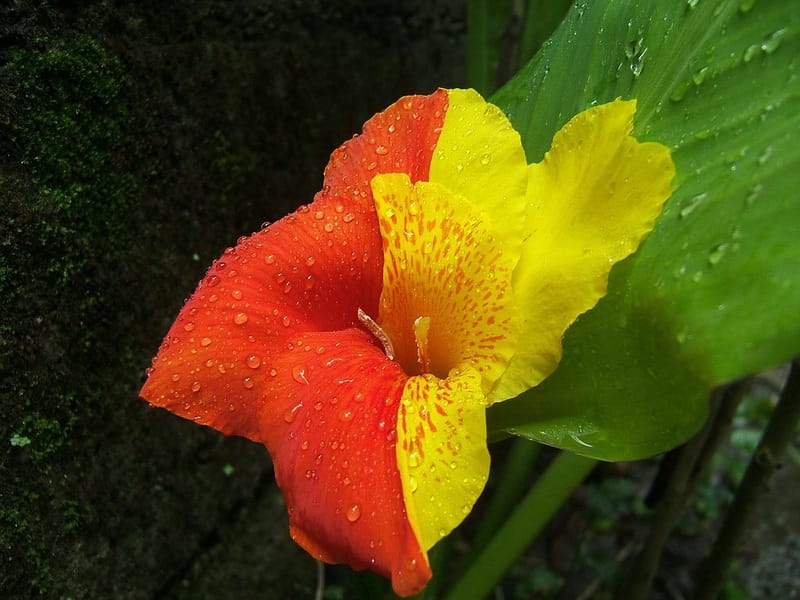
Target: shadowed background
x=136 y=143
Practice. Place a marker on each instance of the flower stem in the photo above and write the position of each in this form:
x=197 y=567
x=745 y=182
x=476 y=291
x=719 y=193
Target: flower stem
x=539 y=20
x=680 y=485
x=516 y=472
x=766 y=458
x=478 y=57
x=535 y=510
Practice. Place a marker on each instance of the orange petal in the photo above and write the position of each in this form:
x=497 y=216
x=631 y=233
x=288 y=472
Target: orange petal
x=311 y=270
x=401 y=139
x=329 y=420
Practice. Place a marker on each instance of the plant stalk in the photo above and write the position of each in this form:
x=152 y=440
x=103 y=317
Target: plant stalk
x=766 y=458
x=548 y=494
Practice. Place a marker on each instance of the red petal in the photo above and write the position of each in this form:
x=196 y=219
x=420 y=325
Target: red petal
x=311 y=270
x=329 y=422
x=400 y=139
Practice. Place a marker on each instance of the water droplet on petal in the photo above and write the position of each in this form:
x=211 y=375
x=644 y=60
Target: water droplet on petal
x=291 y=413
x=240 y=318
x=189 y=326
x=253 y=361
x=205 y=341
x=348 y=217
x=175 y=377
x=414 y=459
x=328 y=227
x=299 y=374
x=486 y=159
x=249 y=383
x=270 y=259
x=346 y=415
x=354 y=513
x=412 y=484
x=195 y=386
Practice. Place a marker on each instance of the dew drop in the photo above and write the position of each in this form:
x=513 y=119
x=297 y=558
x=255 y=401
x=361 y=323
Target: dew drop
x=772 y=42
x=692 y=204
x=212 y=280
x=240 y=318
x=270 y=259
x=249 y=383
x=189 y=326
x=346 y=415
x=381 y=150
x=195 y=386
x=310 y=261
x=717 y=253
x=328 y=227
x=353 y=513
x=347 y=218
x=286 y=321
x=299 y=374
x=205 y=341
x=213 y=298
x=175 y=377
x=253 y=361
x=291 y=413
x=237 y=294
x=414 y=459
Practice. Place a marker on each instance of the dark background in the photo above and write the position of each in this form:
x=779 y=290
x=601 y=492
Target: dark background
x=137 y=141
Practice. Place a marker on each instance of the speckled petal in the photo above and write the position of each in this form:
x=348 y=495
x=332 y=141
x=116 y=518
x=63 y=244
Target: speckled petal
x=441 y=451
x=443 y=262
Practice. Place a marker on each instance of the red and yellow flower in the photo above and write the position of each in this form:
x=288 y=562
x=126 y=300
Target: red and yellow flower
x=362 y=338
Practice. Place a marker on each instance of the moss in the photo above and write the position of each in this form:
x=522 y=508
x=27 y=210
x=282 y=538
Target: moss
x=65 y=207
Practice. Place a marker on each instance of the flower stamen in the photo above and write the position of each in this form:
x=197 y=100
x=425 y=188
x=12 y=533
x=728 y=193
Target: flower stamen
x=422 y=326
x=378 y=332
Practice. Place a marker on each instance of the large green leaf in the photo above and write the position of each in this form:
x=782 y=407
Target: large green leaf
x=714 y=292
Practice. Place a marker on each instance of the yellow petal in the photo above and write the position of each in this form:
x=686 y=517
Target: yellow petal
x=592 y=200
x=479 y=156
x=441 y=451
x=447 y=299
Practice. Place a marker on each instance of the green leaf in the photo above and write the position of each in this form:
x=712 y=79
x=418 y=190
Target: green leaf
x=713 y=293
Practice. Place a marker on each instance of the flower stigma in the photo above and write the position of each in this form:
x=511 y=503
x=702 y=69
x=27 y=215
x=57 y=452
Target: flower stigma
x=378 y=332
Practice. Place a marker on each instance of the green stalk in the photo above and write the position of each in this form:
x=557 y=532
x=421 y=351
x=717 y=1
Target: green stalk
x=766 y=458
x=539 y=21
x=544 y=499
x=509 y=489
x=479 y=74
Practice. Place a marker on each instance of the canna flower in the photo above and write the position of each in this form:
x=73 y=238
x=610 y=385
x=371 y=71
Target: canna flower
x=362 y=338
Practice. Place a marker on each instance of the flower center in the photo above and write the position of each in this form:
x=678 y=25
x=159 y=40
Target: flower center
x=421 y=327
